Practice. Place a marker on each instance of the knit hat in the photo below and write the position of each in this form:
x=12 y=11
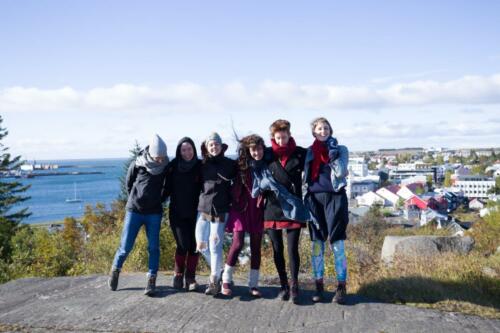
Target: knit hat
x=213 y=137
x=157 y=147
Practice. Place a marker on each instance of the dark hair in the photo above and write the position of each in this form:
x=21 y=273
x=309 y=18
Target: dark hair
x=244 y=157
x=279 y=125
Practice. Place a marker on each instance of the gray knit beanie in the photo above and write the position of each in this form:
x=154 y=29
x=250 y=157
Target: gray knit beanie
x=157 y=147
x=213 y=137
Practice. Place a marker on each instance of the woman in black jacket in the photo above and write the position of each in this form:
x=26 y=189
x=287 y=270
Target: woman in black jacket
x=286 y=167
x=184 y=186
x=217 y=173
x=145 y=181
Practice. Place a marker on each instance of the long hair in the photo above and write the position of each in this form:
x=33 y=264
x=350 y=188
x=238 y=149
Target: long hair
x=244 y=157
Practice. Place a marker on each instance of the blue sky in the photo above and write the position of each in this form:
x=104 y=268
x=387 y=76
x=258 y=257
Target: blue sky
x=87 y=78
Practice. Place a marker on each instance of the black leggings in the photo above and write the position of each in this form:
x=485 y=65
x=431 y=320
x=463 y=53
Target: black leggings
x=183 y=230
x=293 y=236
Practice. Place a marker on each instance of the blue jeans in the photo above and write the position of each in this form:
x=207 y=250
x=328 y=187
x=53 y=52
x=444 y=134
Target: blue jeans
x=132 y=224
x=209 y=241
x=318 y=261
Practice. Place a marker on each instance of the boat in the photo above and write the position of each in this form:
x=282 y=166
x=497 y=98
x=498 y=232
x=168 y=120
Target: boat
x=75 y=199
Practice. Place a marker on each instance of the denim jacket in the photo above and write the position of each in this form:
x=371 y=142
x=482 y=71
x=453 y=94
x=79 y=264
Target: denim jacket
x=338 y=166
x=292 y=206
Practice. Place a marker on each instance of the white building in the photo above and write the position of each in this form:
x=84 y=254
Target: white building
x=389 y=195
x=358 y=167
x=370 y=199
x=476 y=204
x=474 y=186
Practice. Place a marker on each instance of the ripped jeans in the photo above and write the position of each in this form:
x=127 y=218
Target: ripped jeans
x=209 y=240
x=318 y=259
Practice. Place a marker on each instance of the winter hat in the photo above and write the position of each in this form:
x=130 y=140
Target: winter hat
x=213 y=137
x=157 y=147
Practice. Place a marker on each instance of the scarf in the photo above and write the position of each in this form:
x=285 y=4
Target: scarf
x=146 y=161
x=284 y=153
x=186 y=166
x=320 y=153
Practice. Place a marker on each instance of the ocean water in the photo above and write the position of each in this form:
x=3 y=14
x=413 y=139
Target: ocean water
x=49 y=193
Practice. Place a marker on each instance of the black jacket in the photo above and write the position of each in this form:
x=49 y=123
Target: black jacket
x=183 y=187
x=145 y=191
x=290 y=176
x=217 y=175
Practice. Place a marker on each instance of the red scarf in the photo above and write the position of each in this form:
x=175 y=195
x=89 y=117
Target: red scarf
x=320 y=153
x=284 y=153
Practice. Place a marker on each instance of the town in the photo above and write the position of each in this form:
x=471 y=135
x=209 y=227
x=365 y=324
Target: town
x=414 y=186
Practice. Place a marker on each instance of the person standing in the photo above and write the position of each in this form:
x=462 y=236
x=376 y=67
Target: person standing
x=145 y=183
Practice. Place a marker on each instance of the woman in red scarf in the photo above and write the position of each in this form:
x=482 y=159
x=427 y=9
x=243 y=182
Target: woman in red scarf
x=286 y=167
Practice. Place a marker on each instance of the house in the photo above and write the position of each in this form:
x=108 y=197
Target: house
x=429 y=214
x=409 y=190
x=370 y=199
x=416 y=201
x=476 y=204
x=358 y=186
x=412 y=214
x=389 y=194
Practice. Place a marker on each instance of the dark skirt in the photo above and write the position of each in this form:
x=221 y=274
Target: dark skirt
x=332 y=213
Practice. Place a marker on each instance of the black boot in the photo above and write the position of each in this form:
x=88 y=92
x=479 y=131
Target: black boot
x=178 y=281
x=284 y=292
x=295 y=292
x=151 y=286
x=340 y=293
x=113 y=279
x=318 y=295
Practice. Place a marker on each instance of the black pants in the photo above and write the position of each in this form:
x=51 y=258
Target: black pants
x=293 y=236
x=332 y=214
x=183 y=230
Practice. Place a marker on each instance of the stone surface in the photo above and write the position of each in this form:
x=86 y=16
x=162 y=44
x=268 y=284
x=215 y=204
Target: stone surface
x=84 y=304
x=424 y=246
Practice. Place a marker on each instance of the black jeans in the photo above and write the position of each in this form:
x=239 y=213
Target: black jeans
x=293 y=237
x=183 y=230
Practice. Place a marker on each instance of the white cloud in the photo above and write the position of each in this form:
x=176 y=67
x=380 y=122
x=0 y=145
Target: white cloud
x=466 y=91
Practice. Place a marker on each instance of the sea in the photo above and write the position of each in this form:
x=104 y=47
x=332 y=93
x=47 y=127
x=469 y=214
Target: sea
x=48 y=194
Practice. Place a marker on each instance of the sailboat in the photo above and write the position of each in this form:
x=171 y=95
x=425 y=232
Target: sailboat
x=75 y=199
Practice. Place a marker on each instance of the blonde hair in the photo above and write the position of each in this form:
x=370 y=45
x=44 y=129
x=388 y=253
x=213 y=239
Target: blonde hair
x=320 y=120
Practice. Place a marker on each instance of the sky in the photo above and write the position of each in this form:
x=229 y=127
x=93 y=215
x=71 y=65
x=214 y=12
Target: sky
x=86 y=79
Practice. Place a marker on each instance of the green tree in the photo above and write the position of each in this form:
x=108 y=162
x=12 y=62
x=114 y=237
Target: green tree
x=430 y=182
x=495 y=189
x=447 y=178
x=440 y=160
x=10 y=196
x=134 y=152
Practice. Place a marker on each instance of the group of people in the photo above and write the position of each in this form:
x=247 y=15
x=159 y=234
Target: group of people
x=259 y=192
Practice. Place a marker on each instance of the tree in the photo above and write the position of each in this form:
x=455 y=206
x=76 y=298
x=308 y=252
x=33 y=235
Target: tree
x=440 y=160
x=10 y=196
x=429 y=182
x=134 y=152
x=495 y=189
x=447 y=179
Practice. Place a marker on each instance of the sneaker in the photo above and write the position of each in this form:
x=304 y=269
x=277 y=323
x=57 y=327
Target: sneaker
x=113 y=279
x=191 y=284
x=213 y=287
x=151 y=286
x=340 y=294
x=226 y=289
x=178 y=282
x=284 y=293
x=318 y=295
x=295 y=293
x=255 y=292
